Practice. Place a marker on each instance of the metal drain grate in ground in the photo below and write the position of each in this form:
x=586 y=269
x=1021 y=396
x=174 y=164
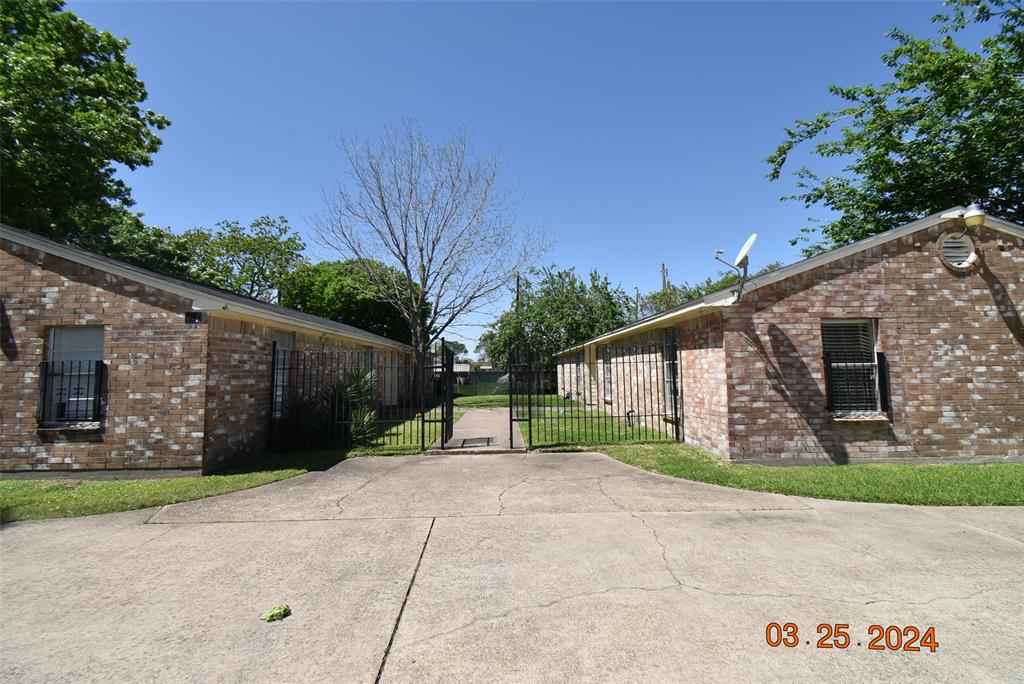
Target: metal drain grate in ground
x=477 y=442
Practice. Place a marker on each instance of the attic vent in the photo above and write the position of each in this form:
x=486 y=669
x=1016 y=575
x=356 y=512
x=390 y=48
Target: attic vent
x=957 y=250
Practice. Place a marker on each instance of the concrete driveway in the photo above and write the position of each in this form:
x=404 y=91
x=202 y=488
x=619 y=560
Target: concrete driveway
x=508 y=567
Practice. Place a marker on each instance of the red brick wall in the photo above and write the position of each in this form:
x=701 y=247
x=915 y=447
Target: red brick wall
x=156 y=365
x=637 y=379
x=238 y=386
x=702 y=383
x=954 y=343
x=237 y=390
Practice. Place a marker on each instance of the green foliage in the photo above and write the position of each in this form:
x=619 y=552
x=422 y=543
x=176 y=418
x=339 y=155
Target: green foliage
x=460 y=350
x=355 y=396
x=363 y=426
x=677 y=295
x=148 y=246
x=252 y=261
x=338 y=414
x=947 y=129
x=342 y=291
x=69 y=112
x=279 y=613
x=557 y=309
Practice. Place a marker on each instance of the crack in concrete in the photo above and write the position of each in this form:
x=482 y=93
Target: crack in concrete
x=337 y=503
x=678 y=585
x=600 y=486
x=501 y=503
x=654 y=532
x=968 y=597
x=405 y=601
x=136 y=547
x=664 y=549
x=538 y=606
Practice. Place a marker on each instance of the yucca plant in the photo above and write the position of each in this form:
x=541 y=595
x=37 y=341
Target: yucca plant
x=353 y=397
x=363 y=426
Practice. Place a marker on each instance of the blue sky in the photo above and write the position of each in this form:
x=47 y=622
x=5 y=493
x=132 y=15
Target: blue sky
x=635 y=133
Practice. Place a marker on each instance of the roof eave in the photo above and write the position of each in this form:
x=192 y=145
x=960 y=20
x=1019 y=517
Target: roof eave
x=202 y=299
x=700 y=307
x=716 y=299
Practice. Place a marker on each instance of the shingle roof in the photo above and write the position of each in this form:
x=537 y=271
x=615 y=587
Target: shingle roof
x=727 y=296
x=204 y=297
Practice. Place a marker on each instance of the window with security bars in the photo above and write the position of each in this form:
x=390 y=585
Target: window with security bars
x=71 y=379
x=581 y=381
x=855 y=374
x=606 y=369
x=670 y=374
x=284 y=342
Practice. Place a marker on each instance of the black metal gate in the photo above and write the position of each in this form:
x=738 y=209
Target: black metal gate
x=608 y=394
x=521 y=375
x=442 y=371
x=368 y=397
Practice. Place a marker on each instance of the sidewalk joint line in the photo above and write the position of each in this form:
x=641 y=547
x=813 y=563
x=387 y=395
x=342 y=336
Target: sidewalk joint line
x=401 y=611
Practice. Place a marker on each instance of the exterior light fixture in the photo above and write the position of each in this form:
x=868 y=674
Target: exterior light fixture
x=974 y=217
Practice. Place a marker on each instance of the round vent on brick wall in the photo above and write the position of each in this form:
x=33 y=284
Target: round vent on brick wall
x=957 y=250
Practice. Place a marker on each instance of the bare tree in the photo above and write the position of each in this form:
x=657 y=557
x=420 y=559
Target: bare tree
x=433 y=212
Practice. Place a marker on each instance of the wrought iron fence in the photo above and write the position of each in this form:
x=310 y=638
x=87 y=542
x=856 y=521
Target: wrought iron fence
x=369 y=397
x=71 y=391
x=621 y=393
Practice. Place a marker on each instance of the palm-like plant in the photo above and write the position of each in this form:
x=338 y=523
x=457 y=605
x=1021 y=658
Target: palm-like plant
x=353 y=398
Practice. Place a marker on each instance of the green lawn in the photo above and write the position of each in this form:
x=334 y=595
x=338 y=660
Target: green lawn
x=52 y=498
x=501 y=400
x=403 y=436
x=60 y=498
x=559 y=426
x=476 y=389
x=994 y=484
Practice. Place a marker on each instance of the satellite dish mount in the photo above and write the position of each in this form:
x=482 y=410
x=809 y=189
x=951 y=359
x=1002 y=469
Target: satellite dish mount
x=741 y=262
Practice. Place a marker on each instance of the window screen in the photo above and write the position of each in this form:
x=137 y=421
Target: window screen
x=851 y=368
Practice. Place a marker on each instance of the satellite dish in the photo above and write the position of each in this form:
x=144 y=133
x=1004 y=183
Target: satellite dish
x=740 y=265
x=741 y=258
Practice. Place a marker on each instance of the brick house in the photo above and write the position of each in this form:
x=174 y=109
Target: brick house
x=111 y=366
x=907 y=344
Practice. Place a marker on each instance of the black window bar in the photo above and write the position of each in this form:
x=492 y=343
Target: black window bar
x=70 y=391
x=856 y=383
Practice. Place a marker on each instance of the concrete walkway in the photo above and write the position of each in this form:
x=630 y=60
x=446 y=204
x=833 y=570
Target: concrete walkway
x=483 y=430
x=525 y=567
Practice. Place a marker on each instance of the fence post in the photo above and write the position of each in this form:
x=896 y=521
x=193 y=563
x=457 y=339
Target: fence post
x=529 y=408
x=273 y=394
x=420 y=372
x=444 y=393
x=511 y=421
